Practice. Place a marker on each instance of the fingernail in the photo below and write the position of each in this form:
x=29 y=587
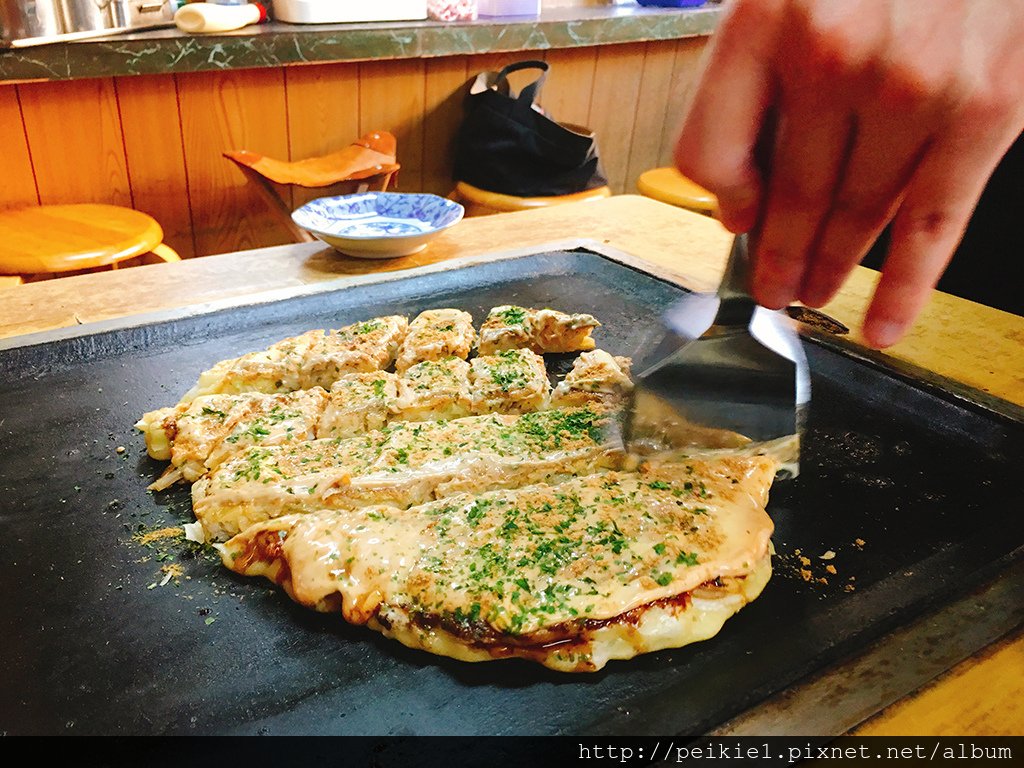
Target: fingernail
x=769 y=290
x=814 y=297
x=883 y=333
x=773 y=296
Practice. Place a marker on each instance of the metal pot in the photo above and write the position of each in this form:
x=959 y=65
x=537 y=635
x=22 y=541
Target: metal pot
x=34 y=22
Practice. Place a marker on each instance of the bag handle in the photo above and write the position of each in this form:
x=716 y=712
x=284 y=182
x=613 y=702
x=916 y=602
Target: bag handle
x=531 y=92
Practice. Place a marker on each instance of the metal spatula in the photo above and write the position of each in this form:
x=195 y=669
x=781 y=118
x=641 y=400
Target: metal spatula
x=727 y=372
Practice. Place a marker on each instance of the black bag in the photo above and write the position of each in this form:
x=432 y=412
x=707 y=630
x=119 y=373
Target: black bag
x=507 y=145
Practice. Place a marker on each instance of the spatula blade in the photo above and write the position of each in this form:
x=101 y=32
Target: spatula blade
x=723 y=376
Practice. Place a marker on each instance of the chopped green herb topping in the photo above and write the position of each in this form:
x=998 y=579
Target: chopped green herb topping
x=513 y=315
x=687 y=558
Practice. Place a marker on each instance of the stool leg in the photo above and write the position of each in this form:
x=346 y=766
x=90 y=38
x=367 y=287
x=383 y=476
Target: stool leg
x=166 y=253
x=277 y=206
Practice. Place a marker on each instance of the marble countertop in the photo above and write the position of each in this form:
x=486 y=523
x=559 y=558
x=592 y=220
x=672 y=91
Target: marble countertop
x=276 y=44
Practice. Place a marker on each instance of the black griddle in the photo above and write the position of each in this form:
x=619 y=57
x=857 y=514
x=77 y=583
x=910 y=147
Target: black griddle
x=92 y=644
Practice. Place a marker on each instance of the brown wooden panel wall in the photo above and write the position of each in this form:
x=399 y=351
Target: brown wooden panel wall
x=155 y=142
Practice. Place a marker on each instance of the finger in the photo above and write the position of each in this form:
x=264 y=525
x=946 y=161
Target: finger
x=825 y=72
x=882 y=161
x=908 y=100
x=811 y=143
x=719 y=132
x=930 y=223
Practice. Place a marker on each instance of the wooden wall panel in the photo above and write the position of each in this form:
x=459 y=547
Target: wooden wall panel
x=323 y=114
x=74 y=134
x=155 y=155
x=567 y=91
x=614 y=106
x=446 y=89
x=649 y=126
x=391 y=98
x=19 y=181
x=242 y=109
x=155 y=142
x=687 y=65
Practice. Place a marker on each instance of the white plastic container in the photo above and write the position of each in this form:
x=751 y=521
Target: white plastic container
x=209 y=18
x=509 y=7
x=334 y=12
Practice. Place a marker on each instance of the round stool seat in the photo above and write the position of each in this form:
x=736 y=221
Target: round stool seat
x=481 y=202
x=62 y=238
x=670 y=186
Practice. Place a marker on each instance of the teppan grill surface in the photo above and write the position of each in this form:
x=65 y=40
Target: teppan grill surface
x=915 y=489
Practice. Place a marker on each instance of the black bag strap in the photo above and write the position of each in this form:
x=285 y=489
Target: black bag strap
x=530 y=93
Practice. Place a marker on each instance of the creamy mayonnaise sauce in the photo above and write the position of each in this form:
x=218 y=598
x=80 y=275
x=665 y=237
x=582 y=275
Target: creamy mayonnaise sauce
x=520 y=562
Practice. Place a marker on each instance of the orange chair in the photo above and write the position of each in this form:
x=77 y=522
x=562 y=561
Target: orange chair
x=52 y=239
x=364 y=165
x=480 y=202
x=670 y=186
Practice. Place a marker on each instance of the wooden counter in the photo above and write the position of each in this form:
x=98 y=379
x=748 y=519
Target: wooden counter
x=966 y=344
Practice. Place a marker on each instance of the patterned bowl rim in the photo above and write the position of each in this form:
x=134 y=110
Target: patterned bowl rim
x=450 y=204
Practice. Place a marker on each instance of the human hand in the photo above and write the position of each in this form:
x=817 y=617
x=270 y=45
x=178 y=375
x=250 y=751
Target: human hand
x=887 y=110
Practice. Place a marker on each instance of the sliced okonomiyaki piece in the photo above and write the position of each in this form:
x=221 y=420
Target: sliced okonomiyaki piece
x=403 y=464
x=596 y=377
x=314 y=358
x=358 y=348
x=204 y=439
x=275 y=369
x=358 y=403
x=541 y=330
x=158 y=429
x=511 y=381
x=569 y=575
x=433 y=390
x=436 y=334
x=200 y=435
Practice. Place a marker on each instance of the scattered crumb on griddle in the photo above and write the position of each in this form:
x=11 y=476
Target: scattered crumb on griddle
x=173 y=570
x=160 y=533
x=859 y=543
x=819 y=573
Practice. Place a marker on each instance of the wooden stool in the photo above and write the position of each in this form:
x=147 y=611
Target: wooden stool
x=367 y=165
x=50 y=239
x=670 y=186
x=480 y=202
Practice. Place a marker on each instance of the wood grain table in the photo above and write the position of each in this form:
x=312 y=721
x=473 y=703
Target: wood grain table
x=959 y=343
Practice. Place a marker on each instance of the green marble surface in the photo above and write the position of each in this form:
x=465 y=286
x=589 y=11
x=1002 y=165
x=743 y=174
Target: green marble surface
x=276 y=44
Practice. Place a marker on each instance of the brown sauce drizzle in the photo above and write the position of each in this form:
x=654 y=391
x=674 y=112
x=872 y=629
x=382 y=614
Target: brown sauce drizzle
x=569 y=634
x=265 y=547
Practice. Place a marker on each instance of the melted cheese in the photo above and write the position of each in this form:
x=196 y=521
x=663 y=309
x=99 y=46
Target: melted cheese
x=596 y=377
x=513 y=381
x=215 y=427
x=358 y=403
x=435 y=335
x=357 y=348
x=540 y=330
x=544 y=572
x=159 y=436
x=275 y=369
x=315 y=358
x=433 y=390
x=207 y=431
x=403 y=464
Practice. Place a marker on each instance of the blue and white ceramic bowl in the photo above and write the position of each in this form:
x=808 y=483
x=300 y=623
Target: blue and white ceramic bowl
x=378 y=225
